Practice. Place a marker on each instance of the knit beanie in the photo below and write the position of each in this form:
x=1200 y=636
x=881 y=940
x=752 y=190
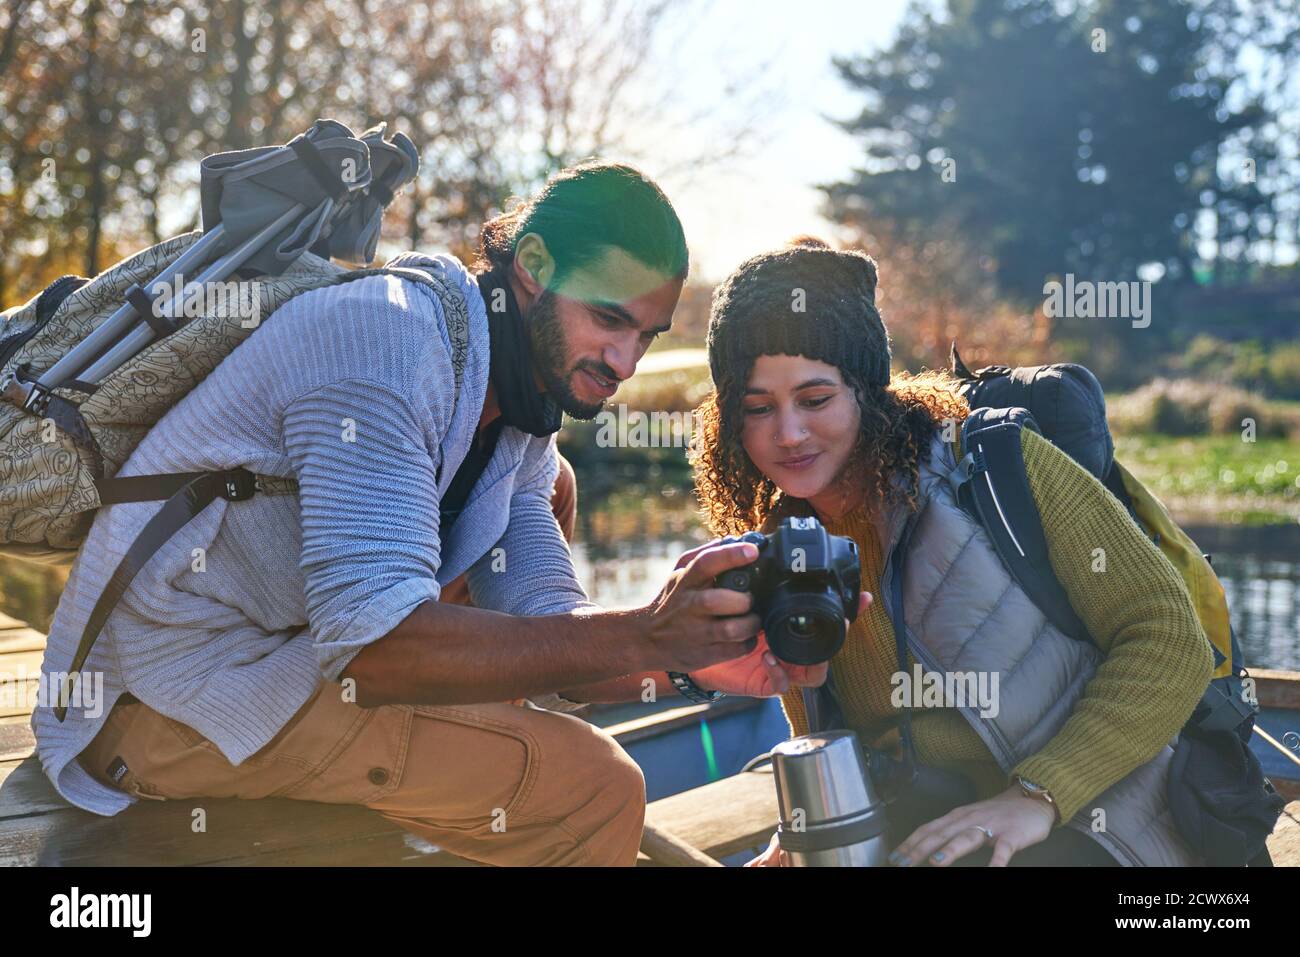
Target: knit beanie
x=803 y=300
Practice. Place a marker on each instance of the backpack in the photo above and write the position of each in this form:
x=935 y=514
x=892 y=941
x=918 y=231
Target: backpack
x=1222 y=803
x=60 y=462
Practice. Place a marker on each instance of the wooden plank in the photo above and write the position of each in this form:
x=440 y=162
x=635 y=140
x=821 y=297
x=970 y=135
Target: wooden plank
x=1287 y=788
x=1284 y=842
x=21 y=639
x=395 y=849
x=25 y=790
x=16 y=697
x=21 y=651
x=735 y=814
x=37 y=826
x=16 y=742
x=159 y=833
x=739 y=813
x=20 y=673
x=21 y=662
x=669 y=850
x=1277 y=689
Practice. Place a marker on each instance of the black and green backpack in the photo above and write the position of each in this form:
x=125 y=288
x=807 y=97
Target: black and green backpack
x=1223 y=804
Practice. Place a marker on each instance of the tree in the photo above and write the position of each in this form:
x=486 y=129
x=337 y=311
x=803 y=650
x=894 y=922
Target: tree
x=1084 y=141
x=106 y=107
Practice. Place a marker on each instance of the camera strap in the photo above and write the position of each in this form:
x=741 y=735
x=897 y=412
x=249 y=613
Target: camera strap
x=904 y=774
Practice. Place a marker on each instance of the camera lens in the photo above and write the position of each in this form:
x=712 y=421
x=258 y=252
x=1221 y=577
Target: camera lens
x=804 y=628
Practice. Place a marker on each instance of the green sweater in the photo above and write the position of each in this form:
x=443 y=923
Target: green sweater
x=1157 y=659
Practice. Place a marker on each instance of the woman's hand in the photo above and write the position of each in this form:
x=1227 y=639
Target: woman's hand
x=1016 y=821
x=772 y=857
x=760 y=674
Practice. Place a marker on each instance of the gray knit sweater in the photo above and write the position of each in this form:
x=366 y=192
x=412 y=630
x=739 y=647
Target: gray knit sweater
x=348 y=389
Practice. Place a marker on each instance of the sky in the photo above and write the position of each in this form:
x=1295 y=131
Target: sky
x=780 y=52
x=780 y=61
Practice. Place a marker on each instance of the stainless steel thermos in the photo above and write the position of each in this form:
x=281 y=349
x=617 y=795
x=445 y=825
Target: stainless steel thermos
x=830 y=814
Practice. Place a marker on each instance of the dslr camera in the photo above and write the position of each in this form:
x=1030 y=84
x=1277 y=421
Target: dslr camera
x=805 y=583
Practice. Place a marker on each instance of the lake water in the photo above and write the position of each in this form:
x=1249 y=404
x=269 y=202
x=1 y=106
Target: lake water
x=623 y=556
x=627 y=543
x=1260 y=571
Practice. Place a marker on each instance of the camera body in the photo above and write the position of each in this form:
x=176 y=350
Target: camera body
x=805 y=582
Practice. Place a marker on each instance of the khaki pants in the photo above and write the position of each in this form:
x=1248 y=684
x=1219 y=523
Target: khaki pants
x=507 y=784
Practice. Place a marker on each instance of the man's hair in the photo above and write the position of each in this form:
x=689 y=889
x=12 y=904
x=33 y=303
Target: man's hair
x=584 y=210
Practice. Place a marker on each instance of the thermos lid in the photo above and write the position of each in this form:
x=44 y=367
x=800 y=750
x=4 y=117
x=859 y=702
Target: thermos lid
x=822 y=775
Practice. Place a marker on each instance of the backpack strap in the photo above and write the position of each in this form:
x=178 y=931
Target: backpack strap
x=199 y=489
x=991 y=484
x=895 y=776
x=471 y=468
x=189 y=493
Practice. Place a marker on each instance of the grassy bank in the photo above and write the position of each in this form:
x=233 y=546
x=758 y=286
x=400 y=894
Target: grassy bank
x=1183 y=439
x=1210 y=479
x=1211 y=452
x=1218 y=478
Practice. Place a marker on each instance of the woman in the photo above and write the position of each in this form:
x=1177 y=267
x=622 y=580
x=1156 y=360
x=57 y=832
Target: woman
x=1069 y=766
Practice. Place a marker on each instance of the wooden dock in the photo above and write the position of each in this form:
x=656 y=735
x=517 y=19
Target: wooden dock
x=37 y=827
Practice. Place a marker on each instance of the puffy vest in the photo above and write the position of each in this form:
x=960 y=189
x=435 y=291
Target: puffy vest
x=943 y=551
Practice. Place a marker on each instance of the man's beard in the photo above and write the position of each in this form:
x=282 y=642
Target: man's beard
x=551 y=352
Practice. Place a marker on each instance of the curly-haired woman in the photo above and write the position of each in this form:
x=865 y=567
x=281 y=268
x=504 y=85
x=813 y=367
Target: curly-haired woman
x=1070 y=767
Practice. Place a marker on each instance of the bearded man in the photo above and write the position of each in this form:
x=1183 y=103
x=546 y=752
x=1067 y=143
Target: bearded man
x=376 y=639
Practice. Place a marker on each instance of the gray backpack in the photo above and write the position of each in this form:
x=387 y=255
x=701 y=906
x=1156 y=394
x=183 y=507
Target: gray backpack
x=88 y=366
x=60 y=461
x=59 y=464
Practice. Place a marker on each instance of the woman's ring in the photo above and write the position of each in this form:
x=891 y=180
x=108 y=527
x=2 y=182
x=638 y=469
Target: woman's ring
x=988 y=834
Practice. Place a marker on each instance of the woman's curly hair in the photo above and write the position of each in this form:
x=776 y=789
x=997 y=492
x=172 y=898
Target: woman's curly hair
x=898 y=422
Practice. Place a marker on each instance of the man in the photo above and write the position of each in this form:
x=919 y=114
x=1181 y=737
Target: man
x=298 y=646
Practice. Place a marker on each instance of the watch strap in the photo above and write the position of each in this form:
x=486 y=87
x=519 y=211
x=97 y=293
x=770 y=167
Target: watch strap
x=688 y=689
x=1038 y=793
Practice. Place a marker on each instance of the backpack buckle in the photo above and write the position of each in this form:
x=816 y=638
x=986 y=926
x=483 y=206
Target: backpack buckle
x=38 y=399
x=1222 y=707
x=238 y=485
x=26 y=393
x=969 y=466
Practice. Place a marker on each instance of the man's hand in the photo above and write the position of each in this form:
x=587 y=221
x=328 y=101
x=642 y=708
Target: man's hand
x=760 y=674
x=691 y=624
x=687 y=556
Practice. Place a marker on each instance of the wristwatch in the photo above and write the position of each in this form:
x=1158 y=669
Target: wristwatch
x=690 y=690
x=1038 y=793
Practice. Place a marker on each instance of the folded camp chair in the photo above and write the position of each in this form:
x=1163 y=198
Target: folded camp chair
x=262 y=209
